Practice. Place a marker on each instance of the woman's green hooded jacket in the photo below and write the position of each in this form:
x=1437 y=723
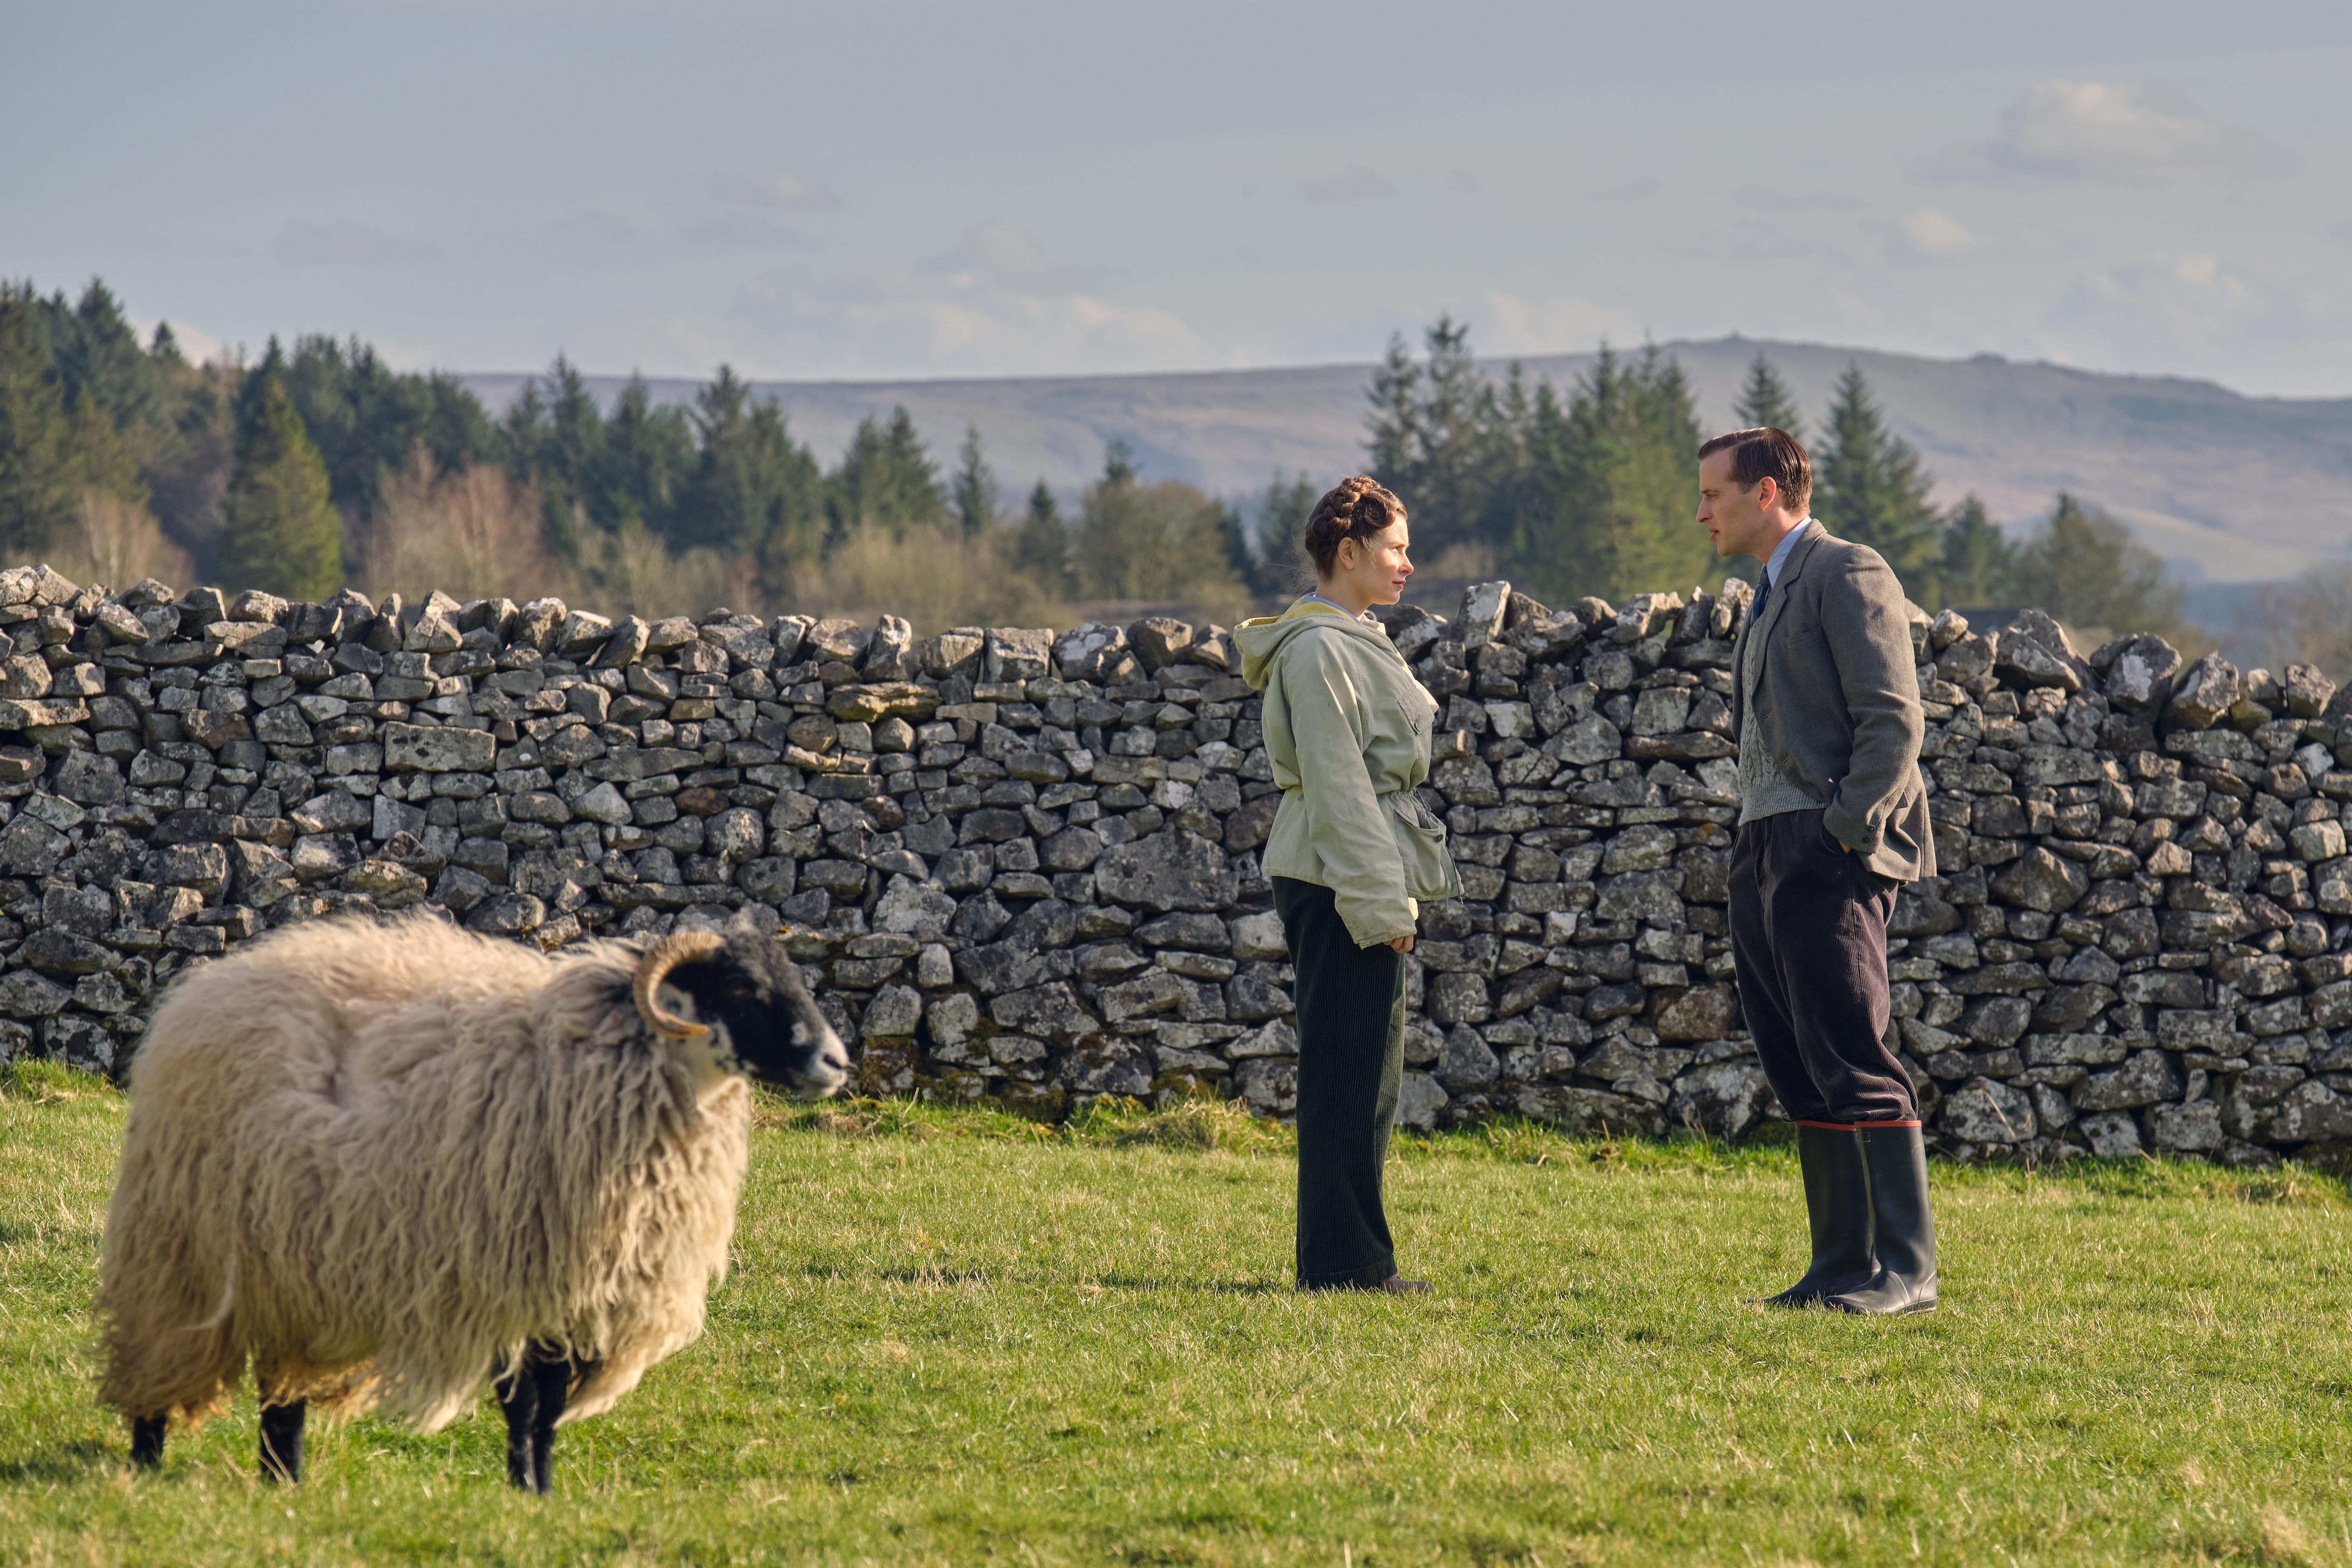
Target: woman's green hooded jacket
x=1347 y=731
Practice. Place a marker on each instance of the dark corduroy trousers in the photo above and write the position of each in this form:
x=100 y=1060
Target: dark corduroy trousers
x=1809 y=945
x=1350 y=1005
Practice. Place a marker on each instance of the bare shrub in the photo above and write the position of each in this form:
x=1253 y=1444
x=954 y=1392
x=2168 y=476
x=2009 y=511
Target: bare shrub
x=473 y=534
x=2307 y=621
x=629 y=569
x=935 y=577
x=116 y=543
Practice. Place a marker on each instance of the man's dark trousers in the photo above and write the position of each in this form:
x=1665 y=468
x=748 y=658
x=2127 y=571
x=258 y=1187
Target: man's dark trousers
x=1809 y=944
x=1351 y=1004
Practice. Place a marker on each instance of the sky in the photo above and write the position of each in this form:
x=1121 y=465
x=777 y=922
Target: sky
x=896 y=188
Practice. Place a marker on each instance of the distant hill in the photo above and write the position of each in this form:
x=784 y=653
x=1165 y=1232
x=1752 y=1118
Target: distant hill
x=2228 y=488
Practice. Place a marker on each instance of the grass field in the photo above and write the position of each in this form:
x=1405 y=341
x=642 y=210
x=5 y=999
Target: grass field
x=954 y=1338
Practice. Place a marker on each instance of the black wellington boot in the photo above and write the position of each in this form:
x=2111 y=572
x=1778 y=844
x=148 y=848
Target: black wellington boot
x=1837 y=1210
x=1906 y=1280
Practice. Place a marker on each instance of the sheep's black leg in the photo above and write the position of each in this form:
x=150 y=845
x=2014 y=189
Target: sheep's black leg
x=519 y=1398
x=281 y=1440
x=553 y=1373
x=147 y=1442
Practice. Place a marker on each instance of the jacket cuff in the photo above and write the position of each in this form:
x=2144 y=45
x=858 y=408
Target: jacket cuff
x=1847 y=827
x=1382 y=925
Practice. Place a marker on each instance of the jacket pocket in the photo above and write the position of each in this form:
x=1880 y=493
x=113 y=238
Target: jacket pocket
x=1429 y=871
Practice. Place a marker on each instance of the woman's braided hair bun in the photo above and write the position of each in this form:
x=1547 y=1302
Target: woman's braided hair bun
x=1355 y=509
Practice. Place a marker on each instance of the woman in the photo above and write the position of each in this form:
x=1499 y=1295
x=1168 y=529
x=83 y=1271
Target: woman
x=1352 y=849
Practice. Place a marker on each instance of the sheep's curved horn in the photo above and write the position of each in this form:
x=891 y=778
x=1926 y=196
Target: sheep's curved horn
x=683 y=947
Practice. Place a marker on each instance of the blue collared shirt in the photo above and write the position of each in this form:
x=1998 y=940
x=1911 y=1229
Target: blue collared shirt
x=1780 y=552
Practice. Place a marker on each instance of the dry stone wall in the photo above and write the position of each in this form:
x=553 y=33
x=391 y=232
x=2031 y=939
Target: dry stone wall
x=1023 y=864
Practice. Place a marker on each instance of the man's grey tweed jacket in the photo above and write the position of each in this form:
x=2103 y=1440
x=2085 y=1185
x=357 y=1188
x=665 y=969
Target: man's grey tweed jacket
x=1836 y=700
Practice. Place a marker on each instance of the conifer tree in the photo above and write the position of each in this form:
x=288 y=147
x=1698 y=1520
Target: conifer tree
x=2084 y=568
x=279 y=531
x=1394 y=423
x=101 y=462
x=1282 y=531
x=885 y=480
x=186 y=471
x=1612 y=477
x=1869 y=487
x=975 y=486
x=97 y=355
x=647 y=462
x=1042 y=547
x=1435 y=432
x=1765 y=401
x=524 y=431
x=1507 y=421
x=366 y=418
x=569 y=454
x=1249 y=566
x=1979 y=565
x=167 y=410
x=756 y=491
x=39 y=490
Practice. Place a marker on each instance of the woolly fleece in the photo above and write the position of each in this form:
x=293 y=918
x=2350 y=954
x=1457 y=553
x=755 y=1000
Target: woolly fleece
x=380 y=1160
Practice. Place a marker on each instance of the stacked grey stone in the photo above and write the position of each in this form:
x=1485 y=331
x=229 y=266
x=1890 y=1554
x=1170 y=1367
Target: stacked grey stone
x=1023 y=864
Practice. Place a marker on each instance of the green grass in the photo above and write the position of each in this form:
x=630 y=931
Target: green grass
x=952 y=1337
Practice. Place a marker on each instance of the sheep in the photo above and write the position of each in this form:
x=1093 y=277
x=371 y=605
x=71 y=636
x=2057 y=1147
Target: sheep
x=382 y=1162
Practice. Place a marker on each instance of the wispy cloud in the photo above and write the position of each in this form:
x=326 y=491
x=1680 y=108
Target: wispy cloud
x=346 y=243
x=1930 y=236
x=990 y=329
x=995 y=256
x=597 y=227
x=1555 y=323
x=1353 y=184
x=741 y=231
x=2096 y=130
x=1751 y=244
x=2150 y=309
x=989 y=250
x=774 y=190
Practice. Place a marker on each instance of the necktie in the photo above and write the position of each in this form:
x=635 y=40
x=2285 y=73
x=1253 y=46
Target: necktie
x=1763 y=592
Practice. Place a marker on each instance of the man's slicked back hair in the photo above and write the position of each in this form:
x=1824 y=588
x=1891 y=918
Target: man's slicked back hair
x=1766 y=453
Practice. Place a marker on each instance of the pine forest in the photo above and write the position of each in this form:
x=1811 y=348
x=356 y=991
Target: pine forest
x=318 y=467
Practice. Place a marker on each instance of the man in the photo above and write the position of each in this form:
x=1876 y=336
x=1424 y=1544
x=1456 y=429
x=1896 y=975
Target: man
x=1833 y=818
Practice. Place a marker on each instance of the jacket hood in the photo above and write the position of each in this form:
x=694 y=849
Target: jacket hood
x=1261 y=639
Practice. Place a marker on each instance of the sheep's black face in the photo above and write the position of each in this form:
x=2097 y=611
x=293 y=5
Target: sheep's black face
x=762 y=1020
